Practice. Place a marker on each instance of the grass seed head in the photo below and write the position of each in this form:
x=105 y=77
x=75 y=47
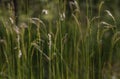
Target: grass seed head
x=44 y=11
x=19 y=54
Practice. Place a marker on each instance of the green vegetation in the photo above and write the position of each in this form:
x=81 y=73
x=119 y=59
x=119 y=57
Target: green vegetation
x=54 y=41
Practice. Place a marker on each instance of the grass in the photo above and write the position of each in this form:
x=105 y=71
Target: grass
x=48 y=47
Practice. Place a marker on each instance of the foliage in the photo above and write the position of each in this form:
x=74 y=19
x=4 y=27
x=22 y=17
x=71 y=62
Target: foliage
x=59 y=40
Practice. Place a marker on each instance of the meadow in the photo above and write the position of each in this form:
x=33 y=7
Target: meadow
x=59 y=39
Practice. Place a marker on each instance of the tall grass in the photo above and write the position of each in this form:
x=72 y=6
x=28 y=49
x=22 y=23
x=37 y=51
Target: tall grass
x=54 y=46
